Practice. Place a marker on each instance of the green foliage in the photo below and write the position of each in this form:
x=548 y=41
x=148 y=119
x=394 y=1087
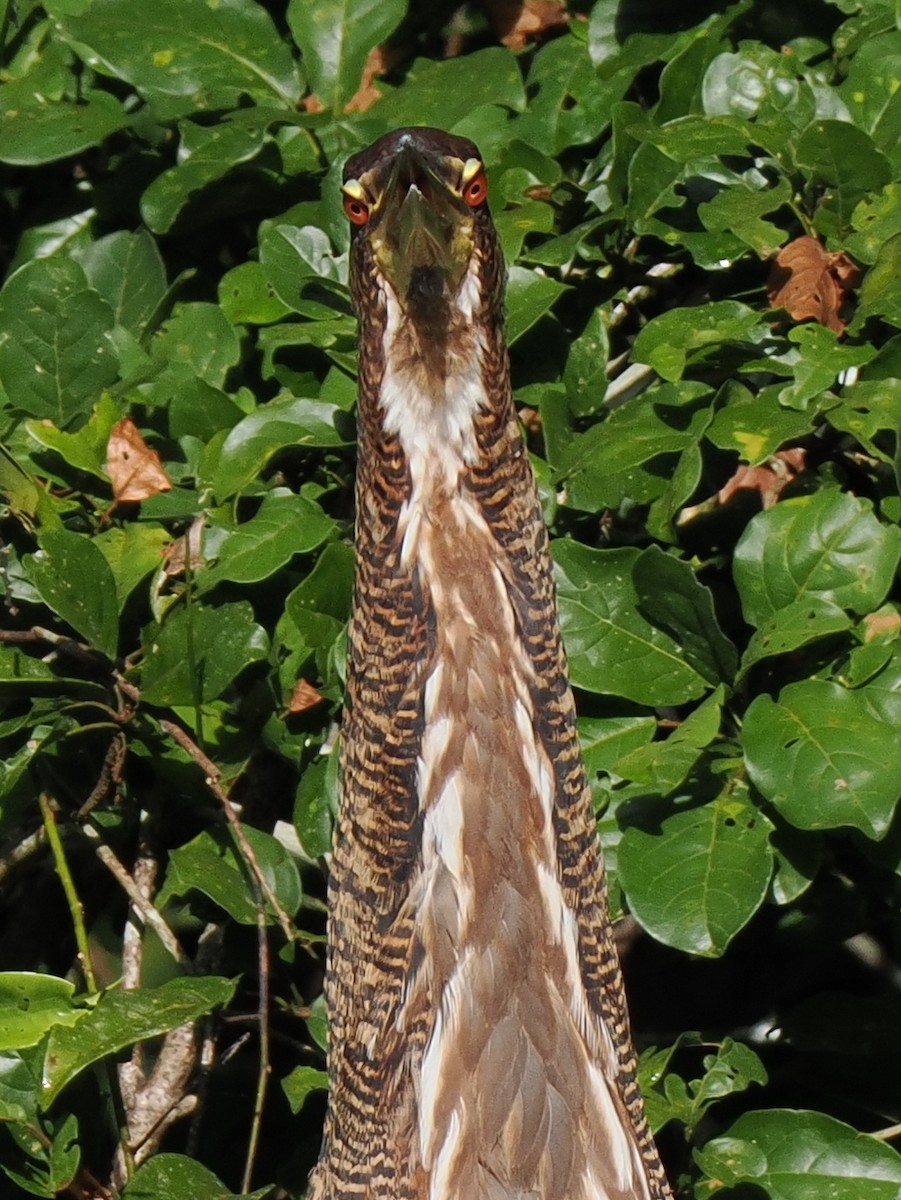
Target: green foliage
x=722 y=483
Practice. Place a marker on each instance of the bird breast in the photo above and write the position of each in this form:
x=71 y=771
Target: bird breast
x=516 y=1078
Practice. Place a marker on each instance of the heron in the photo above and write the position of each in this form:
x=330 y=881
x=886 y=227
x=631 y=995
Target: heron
x=479 y=1038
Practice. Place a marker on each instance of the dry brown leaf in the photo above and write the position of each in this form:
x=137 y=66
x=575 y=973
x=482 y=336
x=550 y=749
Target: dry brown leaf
x=808 y=282
x=176 y=553
x=882 y=625
x=303 y=697
x=136 y=471
x=517 y=23
x=531 y=419
x=770 y=479
x=379 y=62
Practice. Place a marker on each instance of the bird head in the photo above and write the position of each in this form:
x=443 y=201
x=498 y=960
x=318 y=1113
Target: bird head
x=417 y=203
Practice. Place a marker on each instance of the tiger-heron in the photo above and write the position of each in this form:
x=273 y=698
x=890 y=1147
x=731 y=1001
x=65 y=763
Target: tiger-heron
x=480 y=1046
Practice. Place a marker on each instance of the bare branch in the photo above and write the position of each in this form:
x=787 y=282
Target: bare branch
x=213 y=779
x=149 y=914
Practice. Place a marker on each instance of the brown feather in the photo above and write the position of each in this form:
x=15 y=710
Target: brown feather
x=479 y=1041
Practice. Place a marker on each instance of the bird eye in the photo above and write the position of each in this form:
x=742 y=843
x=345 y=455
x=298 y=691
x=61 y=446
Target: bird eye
x=476 y=191
x=357 y=212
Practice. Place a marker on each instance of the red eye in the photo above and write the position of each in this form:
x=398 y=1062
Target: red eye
x=356 y=210
x=476 y=191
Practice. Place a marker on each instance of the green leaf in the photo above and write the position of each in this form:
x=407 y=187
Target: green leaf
x=670 y=595
x=317 y=1023
x=122 y=1018
x=275 y=426
x=612 y=649
x=876 y=219
x=868 y=411
x=818 y=754
x=290 y=254
x=605 y=740
x=316 y=804
x=529 y=297
x=754 y=424
x=792 y=1155
x=285 y=525
x=199 y=336
x=740 y=210
x=199 y=651
x=16 y=788
x=127 y=271
x=133 y=552
x=827 y=547
x=335 y=37
x=300 y=1083
x=732 y=1069
x=35 y=129
x=184 y=55
x=45 y=1165
x=569 y=99
x=206 y=155
x=699 y=880
x=18 y=1089
x=446 y=92
x=31 y=1004
x=663 y=766
x=669 y=341
x=213 y=863
x=819 y=361
x=85 y=450
x=880 y=292
x=176 y=1177
x=799 y=624
x=247 y=297
x=585 y=375
x=55 y=356
x=74 y=580
x=629 y=455
x=843 y=157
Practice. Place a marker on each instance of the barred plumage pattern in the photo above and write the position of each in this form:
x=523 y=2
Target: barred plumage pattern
x=479 y=1040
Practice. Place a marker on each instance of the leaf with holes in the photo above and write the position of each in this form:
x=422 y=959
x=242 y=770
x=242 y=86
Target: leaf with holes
x=828 y=547
x=818 y=753
x=213 y=863
x=185 y=55
x=55 y=355
x=699 y=879
x=284 y=526
x=121 y=1018
x=612 y=648
x=790 y=1155
x=74 y=580
x=198 y=651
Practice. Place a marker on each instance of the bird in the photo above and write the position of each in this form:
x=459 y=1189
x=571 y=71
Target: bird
x=479 y=1043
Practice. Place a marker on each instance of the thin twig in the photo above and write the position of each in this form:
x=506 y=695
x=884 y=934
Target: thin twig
x=213 y=778
x=641 y=292
x=213 y=782
x=886 y=1135
x=263 y=1023
x=75 y=906
x=22 y=850
x=149 y=914
x=110 y=773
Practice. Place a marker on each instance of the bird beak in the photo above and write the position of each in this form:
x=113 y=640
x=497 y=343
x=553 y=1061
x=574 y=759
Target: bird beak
x=424 y=239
